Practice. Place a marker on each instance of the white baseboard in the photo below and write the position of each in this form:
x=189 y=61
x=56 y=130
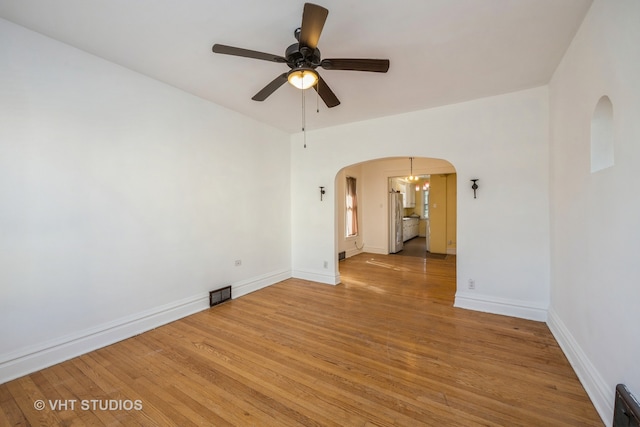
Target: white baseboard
x=601 y=395
x=351 y=252
x=315 y=276
x=27 y=360
x=34 y=358
x=255 y=283
x=506 y=307
x=376 y=250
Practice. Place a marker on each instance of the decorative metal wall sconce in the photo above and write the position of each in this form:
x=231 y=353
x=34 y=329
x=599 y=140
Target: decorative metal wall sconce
x=321 y=192
x=474 y=187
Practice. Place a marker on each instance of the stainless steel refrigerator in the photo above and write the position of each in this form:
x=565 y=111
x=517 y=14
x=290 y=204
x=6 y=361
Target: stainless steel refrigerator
x=396 y=212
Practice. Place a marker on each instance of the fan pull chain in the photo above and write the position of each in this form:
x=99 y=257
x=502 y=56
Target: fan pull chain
x=304 y=121
x=318 y=97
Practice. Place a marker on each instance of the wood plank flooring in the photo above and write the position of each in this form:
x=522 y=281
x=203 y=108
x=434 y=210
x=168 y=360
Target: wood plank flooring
x=384 y=348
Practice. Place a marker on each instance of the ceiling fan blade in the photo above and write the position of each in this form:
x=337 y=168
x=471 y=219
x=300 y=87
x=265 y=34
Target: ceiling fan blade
x=373 y=65
x=313 y=19
x=270 y=88
x=246 y=53
x=326 y=93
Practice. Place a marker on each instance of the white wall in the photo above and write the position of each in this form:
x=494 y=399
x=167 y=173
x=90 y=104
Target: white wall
x=503 y=239
x=123 y=201
x=595 y=233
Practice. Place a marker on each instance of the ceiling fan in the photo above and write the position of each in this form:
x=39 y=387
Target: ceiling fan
x=304 y=57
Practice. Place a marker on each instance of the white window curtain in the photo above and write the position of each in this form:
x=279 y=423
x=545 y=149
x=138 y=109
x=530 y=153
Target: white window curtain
x=352 y=207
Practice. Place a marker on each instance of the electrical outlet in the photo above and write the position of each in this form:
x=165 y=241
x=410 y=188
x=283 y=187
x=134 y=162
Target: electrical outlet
x=472 y=284
x=326 y=264
x=238 y=262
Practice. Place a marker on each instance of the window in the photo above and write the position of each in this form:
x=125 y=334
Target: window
x=351 y=208
x=425 y=199
x=425 y=196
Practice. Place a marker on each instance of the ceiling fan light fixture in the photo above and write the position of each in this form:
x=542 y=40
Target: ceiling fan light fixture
x=302 y=78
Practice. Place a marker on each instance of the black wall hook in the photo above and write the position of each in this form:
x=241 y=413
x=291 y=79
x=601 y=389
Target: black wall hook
x=321 y=192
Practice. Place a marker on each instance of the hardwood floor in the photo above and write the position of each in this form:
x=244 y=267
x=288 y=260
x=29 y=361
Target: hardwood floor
x=415 y=247
x=386 y=347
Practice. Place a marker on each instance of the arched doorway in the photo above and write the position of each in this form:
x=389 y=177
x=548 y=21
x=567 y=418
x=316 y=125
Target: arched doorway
x=373 y=180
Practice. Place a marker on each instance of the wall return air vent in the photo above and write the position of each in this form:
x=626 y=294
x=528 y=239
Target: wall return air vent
x=219 y=296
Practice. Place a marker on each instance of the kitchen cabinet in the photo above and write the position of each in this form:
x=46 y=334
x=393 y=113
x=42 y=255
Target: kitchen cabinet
x=409 y=196
x=408 y=191
x=410 y=228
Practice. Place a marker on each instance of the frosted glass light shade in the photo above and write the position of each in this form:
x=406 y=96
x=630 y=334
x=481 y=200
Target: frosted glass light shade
x=303 y=78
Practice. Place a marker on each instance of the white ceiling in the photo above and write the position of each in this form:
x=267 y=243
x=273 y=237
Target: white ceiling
x=441 y=51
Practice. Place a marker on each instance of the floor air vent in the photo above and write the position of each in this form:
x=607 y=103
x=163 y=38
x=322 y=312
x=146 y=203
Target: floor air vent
x=219 y=296
x=342 y=255
x=626 y=412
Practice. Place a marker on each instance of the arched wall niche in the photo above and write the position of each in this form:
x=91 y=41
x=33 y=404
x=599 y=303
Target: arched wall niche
x=602 y=140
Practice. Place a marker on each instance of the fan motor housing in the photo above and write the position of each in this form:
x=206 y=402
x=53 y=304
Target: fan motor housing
x=298 y=56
